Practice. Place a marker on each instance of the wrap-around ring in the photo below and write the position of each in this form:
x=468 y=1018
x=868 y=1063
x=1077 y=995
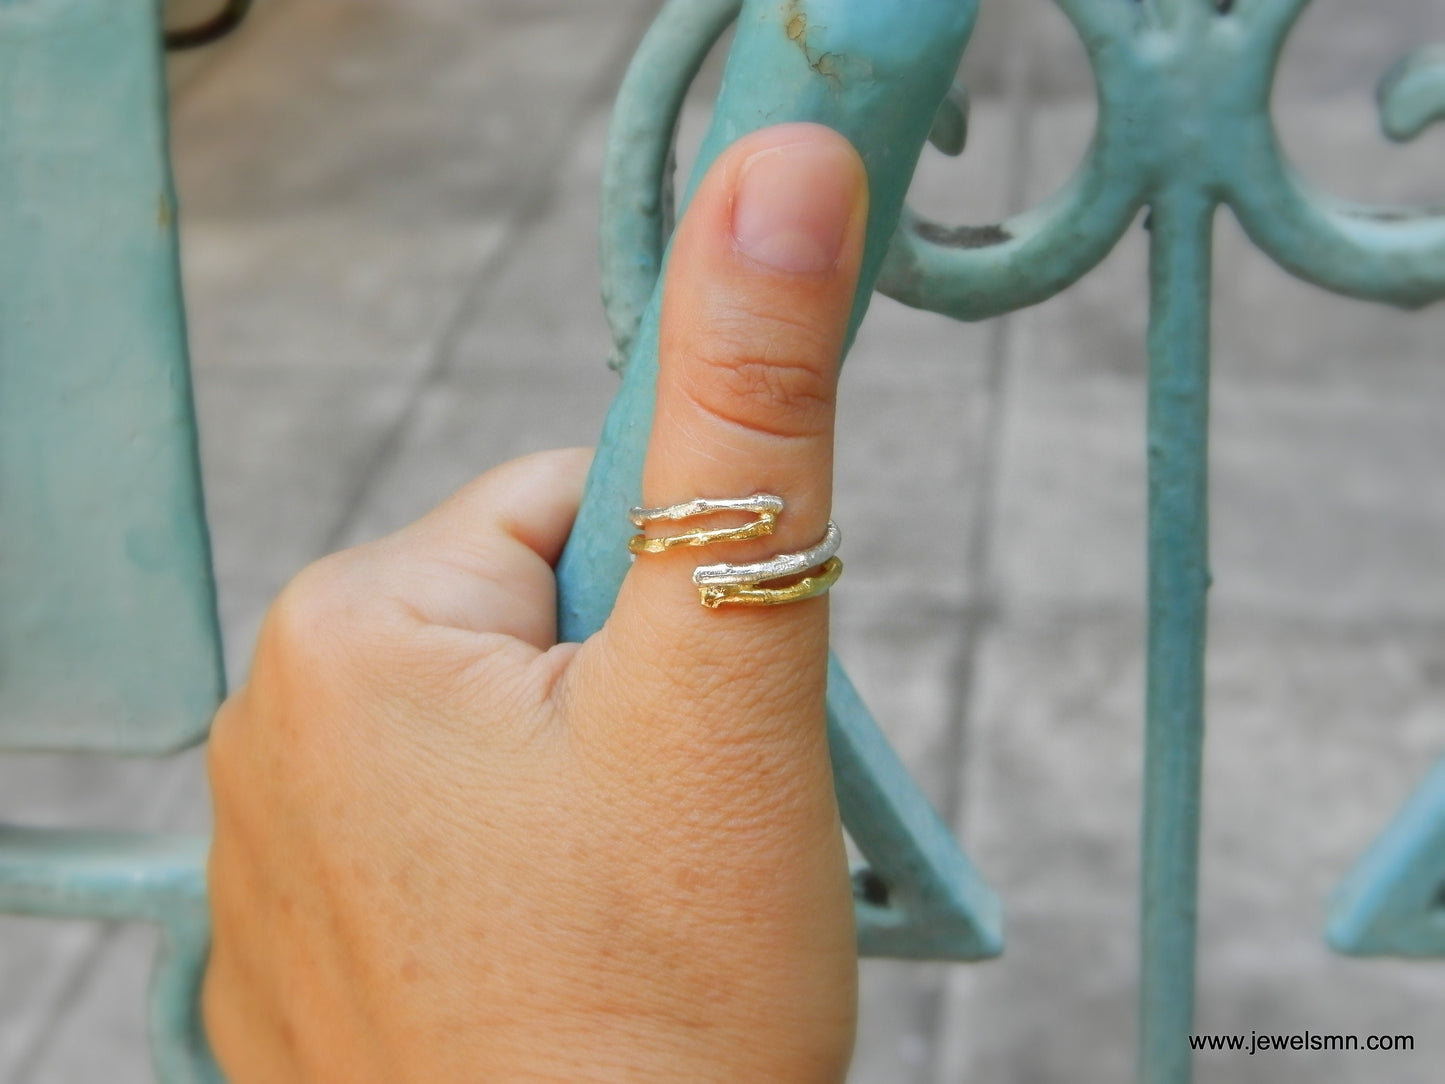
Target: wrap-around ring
x=808 y=573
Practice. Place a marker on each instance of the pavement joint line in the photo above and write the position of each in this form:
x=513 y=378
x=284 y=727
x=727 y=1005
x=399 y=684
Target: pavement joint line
x=979 y=614
x=82 y=968
x=1069 y=611
x=984 y=606
x=474 y=296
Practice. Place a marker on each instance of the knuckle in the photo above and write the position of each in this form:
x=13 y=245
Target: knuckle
x=780 y=382
x=222 y=754
x=320 y=621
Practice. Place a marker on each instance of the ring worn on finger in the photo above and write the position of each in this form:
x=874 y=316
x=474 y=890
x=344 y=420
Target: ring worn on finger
x=787 y=577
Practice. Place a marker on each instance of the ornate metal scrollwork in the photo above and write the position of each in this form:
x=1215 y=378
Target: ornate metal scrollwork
x=223 y=22
x=1184 y=93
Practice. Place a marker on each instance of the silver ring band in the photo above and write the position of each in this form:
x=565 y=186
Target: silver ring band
x=760 y=502
x=775 y=568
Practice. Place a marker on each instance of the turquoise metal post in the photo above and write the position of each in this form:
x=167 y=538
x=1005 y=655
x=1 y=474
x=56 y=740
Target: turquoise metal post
x=1180 y=259
x=880 y=80
x=109 y=639
x=855 y=66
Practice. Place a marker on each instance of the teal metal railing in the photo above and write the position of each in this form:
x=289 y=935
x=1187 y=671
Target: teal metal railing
x=114 y=527
x=108 y=635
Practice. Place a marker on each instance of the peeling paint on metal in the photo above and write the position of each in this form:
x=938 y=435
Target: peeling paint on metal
x=963 y=236
x=827 y=64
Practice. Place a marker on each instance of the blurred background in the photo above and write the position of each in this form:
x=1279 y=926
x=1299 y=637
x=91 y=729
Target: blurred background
x=389 y=211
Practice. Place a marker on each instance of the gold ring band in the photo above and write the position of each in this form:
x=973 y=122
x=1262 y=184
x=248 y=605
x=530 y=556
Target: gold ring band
x=765 y=505
x=763 y=525
x=756 y=594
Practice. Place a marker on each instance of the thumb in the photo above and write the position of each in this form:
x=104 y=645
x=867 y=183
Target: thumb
x=759 y=286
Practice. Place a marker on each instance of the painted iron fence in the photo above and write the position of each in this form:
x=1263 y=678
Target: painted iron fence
x=104 y=559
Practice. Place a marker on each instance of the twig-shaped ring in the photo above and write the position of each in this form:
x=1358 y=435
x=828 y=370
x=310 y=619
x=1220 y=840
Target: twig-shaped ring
x=808 y=573
x=764 y=504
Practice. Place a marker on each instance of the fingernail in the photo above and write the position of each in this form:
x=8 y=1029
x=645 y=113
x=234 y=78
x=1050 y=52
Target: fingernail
x=793 y=204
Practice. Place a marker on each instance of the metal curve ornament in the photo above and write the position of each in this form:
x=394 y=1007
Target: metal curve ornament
x=1183 y=91
x=1178 y=82
x=1412 y=94
x=637 y=198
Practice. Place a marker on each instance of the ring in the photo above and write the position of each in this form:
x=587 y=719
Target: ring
x=764 y=504
x=809 y=573
x=755 y=594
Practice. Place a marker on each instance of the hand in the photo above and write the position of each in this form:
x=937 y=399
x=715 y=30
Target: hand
x=448 y=848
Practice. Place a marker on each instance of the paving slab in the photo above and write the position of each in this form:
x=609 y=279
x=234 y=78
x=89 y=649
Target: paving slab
x=285 y=449
x=916 y=398
x=896 y=1005
x=902 y=648
x=1342 y=47
x=414 y=111
x=1316 y=735
x=40 y=970
x=140 y=793
x=102 y=1037
x=915 y=410
x=464 y=428
x=1324 y=501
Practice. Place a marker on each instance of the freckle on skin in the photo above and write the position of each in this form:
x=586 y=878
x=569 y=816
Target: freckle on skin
x=402 y=879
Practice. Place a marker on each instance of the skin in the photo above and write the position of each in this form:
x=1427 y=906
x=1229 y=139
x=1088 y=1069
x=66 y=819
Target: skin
x=448 y=848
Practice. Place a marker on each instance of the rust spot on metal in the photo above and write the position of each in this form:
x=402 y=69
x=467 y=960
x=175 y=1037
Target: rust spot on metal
x=1397 y=214
x=870 y=888
x=963 y=236
x=828 y=65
